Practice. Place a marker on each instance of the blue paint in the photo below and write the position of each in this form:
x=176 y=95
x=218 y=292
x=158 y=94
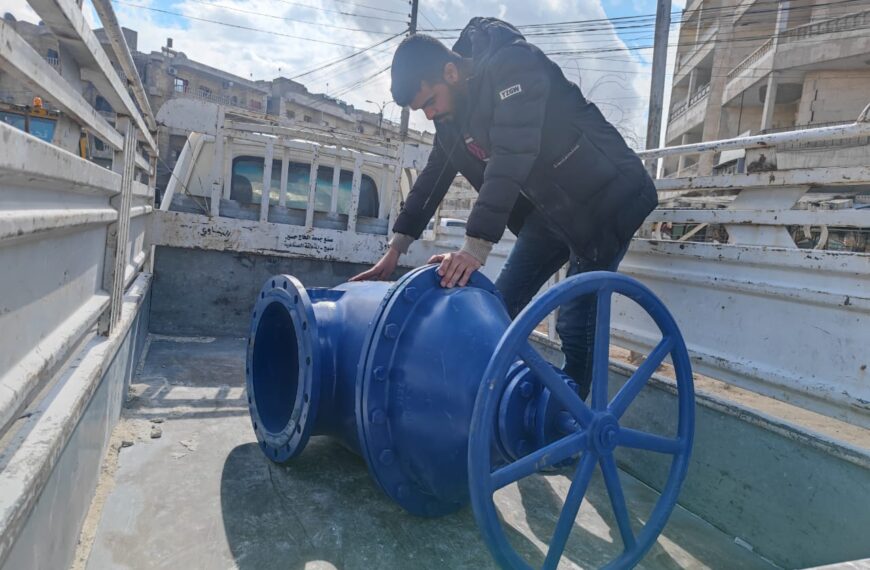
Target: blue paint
x=435 y=388
x=598 y=432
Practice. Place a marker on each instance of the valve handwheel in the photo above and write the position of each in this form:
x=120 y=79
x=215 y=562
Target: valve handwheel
x=598 y=432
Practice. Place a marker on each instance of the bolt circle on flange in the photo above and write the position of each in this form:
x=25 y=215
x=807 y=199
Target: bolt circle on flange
x=376 y=380
x=282 y=365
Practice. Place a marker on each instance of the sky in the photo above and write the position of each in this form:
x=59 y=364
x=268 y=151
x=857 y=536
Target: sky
x=262 y=39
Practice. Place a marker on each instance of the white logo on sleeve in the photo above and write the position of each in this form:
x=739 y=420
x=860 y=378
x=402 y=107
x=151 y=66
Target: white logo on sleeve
x=510 y=91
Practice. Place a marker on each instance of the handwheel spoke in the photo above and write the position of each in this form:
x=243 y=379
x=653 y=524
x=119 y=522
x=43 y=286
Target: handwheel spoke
x=551 y=454
x=569 y=511
x=601 y=350
x=641 y=440
x=638 y=380
x=617 y=499
x=546 y=375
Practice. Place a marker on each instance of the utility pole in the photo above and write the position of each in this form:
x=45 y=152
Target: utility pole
x=657 y=85
x=406 y=112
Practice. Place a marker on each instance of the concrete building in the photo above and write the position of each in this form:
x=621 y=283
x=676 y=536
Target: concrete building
x=747 y=67
x=17 y=99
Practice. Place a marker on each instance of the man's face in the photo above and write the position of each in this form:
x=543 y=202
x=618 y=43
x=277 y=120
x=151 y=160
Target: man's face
x=435 y=100
x=438 y=100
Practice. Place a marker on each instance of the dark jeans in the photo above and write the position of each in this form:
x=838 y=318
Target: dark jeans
x=540 y=252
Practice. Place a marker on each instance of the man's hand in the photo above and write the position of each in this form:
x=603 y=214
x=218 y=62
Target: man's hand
x=456 y=267
x=382 y=270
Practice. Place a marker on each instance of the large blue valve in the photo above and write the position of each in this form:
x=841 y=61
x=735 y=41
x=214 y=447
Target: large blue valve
x=446 y=399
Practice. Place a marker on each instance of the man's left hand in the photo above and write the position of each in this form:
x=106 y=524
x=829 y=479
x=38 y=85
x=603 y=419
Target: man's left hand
x=456 y=268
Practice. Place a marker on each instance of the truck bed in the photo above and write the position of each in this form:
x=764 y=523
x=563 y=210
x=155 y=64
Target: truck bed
x=202 y=495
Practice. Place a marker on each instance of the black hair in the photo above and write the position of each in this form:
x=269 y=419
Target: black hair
x=418 y=58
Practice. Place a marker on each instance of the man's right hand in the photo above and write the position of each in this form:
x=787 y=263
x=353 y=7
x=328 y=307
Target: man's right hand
x=382 y=270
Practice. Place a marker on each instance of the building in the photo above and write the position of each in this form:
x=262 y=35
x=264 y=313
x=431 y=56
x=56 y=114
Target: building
x=169 y=75
x=748 y=67
x=34 y=111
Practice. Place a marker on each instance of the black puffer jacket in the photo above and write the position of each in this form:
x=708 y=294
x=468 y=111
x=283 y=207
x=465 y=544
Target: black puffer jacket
x=535 y=142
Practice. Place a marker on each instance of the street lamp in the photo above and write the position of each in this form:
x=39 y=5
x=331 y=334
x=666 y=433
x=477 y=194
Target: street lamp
x=380 y=107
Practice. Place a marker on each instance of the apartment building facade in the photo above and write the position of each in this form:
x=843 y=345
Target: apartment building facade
x=748 y=67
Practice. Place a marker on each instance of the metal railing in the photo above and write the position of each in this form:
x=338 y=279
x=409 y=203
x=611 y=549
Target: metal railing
x=74 y=232
x=751 y=59
x=808 y=145
x=52 y=61
x=747 y=300
x=347 y=233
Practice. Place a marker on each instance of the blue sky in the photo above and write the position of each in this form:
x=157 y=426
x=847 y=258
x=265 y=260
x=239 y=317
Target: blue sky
x=286 y=37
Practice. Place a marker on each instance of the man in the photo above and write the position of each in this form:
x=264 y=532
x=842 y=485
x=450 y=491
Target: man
x=545 y=163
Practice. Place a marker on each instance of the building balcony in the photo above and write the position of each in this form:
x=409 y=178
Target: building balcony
x=187 y=91
x=52 y=61
x=742 y=7
x=689 y=113
x=690 y=60
x=749 y=71
x=811 y=46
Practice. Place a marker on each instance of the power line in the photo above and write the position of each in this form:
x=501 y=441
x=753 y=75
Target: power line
x=370 y=7
x=275 y=17
x=354 y=14
x=237 y=26
x=633 y=20
x=347 y=57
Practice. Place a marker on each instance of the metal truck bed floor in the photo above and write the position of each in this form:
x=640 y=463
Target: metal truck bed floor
x=202 y=495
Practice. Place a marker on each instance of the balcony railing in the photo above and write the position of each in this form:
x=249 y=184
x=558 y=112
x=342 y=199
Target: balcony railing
x=751 y=59
x=850 y=22
x=681 y=109
x=52 y=61
x=857 y=21
x=187 y=91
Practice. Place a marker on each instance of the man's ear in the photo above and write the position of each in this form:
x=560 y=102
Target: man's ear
x=451 y=73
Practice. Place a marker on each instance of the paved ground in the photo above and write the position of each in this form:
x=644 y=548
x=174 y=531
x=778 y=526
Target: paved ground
x=203 y=496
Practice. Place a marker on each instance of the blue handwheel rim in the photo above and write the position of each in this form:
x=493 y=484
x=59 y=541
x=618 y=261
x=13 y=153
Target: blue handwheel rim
x=495 y=381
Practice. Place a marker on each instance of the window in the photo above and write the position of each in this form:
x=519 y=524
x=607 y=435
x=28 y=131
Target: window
x=180 y=85
x=98 y=144
x=291 y=114
x=361 y=129
x=42 y=128
x=14 y=119
x=235 y=100
x=204 y=91
x=39 y=127
x=307 y=119
x=247 y=186
x=52 y=54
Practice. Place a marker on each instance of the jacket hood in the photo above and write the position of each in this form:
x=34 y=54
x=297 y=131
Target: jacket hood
x=482 y=37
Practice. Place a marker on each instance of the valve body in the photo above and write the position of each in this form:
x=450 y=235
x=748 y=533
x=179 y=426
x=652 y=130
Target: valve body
x=392 y=371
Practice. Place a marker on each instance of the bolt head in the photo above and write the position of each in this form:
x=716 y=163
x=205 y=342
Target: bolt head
x=380 y=373
x=387 y=457
x=391 y=330
x=378 y=417
x=526 y=389
x=410 y=294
